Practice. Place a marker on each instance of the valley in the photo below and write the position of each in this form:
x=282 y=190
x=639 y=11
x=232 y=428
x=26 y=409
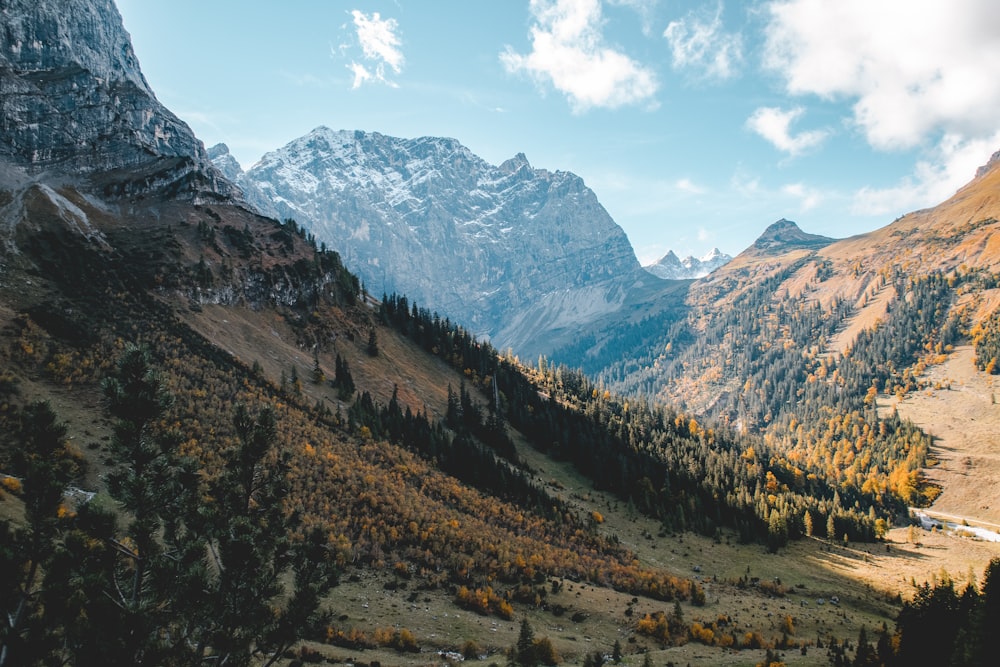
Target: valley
x=232 y=433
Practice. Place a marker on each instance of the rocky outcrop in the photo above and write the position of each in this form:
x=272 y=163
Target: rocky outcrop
x=785 y=235
x=427 y=218
x=74 y=101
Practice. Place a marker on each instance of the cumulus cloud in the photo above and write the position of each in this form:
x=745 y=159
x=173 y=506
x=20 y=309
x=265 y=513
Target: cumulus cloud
x=699 y=41
x=568 y=51
x=380 y=48
x=774 y=124
x=919 y=74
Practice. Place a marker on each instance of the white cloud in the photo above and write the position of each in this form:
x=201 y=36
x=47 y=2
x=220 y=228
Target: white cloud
x=361 y=74
x=919 y=74
x=950 y=166
x=774 y=124
x=379 y=47
x=687 y=185
x=809 y=198
x=569 y=52
x=699 y=41
x=912 y=67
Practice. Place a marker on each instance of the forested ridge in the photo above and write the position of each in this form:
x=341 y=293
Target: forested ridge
x=765 y=366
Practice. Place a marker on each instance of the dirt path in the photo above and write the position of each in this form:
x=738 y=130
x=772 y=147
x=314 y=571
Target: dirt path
x=964 y=420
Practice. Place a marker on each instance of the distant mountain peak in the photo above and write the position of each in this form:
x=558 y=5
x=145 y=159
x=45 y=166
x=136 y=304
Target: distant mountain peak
x=670 y=267
x=785 y=235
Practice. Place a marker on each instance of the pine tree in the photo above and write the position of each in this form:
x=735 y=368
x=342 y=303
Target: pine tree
x=246 y=609
x=372 y=347
x=317 y=376
x=524 y=650
x=146 y=483
x=46 y=467
x=342 y=379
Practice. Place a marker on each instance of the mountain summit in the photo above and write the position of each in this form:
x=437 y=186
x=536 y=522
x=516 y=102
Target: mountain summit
x=426 y=217
x=670 y=267
x=785 y=235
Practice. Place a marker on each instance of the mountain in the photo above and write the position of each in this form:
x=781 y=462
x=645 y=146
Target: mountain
x=519 y=255
x=784 y=235
x=75 y=101
x=204 y=419
x=670 y=267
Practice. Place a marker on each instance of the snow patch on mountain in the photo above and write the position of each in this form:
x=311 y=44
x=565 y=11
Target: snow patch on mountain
x=430 y=219
x=670 y=267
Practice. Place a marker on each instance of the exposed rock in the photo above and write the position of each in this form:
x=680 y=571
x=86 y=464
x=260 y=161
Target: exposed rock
x=785 y=235
x=74 y=101
x=484 y=245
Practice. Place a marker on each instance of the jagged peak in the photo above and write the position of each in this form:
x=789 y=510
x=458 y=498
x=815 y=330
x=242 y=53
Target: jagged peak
x=519 y=161
x=669 y=258
x=990 y=165
x=786 y=235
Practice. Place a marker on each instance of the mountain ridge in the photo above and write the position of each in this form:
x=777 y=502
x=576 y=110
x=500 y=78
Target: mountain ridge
x=428 y=218
x=671 y=267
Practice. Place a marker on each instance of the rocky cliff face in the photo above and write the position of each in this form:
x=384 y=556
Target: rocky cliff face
x=429 y=219
x=74 y=101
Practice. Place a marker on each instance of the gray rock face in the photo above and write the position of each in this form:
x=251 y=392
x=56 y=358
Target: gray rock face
x=479 y=243
x=73 y=99
x=785 y=235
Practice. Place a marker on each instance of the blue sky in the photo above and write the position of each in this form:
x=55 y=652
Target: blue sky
x=696 y=123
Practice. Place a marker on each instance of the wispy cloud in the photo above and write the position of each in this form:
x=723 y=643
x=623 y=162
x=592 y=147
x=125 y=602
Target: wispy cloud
x=645 y=10
x=808 y=198
x=689 y=186
x=699 y=42
x=774 y=124
x=950 y=165
x=568 y=51
x=380 y=49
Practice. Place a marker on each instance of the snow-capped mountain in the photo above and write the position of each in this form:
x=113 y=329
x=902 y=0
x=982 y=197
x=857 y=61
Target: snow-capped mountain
x=510 y=251
x=670 y=267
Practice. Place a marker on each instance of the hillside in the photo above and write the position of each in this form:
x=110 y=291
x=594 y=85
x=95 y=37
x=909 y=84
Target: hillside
x=800 y=330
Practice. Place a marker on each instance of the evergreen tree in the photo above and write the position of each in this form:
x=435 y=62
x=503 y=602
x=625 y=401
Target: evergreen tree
x=372 y=347
x=317 y=376
x=46 y=467
x=145 y=482
x=524 y=650
x=343 y=379
x=249 y=538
